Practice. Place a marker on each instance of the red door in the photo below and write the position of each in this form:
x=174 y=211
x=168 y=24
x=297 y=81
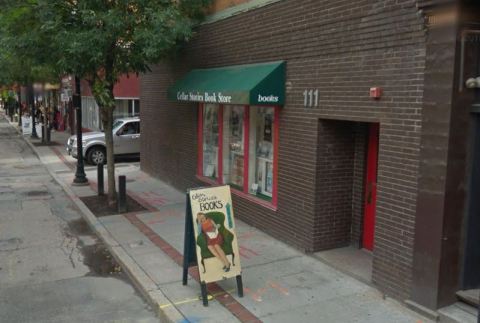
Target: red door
x=371 y=187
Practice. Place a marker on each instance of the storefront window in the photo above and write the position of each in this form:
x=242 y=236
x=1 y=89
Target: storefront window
x=121 y=109
x=133 y=108
x=126 y=108
x=247 y=148
x=210 y=141
x=233 y=145
x=91 y=114
x=261 y=153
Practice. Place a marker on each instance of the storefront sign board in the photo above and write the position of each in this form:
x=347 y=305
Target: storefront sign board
x=253 y=84
x=26 y=125
x=210 y=237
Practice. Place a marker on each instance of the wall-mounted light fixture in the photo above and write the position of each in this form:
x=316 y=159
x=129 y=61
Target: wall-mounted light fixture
x=473 y=83
x=464 y=37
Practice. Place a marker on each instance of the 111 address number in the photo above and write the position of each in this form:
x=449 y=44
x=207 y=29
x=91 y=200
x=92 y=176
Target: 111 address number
x=310 y=98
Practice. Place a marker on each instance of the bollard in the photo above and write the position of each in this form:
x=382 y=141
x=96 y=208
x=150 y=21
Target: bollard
x=122 y=194
x=100 y=185
x=44 y=139
x=239 y=286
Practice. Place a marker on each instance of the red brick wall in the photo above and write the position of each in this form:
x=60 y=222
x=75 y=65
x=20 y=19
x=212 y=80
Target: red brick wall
x=342 y=48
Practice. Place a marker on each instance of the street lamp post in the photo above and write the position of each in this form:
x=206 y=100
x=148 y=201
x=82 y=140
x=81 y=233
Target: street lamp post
x=80 y=176
x=19 y=103
x=31 y=100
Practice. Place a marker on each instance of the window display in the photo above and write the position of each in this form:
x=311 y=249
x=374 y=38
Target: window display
x=233 y=145
x=243 y=140
x=261 y=151
x=210 y=141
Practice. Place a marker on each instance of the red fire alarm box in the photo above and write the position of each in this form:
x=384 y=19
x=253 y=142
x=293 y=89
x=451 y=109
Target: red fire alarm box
x=376 y=92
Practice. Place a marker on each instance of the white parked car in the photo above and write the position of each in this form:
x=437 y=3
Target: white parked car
x=126 y=141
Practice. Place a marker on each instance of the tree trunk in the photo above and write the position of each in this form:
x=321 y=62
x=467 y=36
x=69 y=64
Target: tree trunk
x=107 y=120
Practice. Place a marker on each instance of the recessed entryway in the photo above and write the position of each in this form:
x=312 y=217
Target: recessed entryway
x=347 y=167
x=350 y=260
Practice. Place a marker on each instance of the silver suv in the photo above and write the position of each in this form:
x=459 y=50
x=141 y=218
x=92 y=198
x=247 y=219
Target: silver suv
x=126 y=141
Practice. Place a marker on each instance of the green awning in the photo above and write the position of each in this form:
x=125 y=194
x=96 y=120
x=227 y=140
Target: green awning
x=253 y=84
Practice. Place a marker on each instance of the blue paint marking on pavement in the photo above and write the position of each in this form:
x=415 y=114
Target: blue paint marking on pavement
x=191 y=319
x=229 y=216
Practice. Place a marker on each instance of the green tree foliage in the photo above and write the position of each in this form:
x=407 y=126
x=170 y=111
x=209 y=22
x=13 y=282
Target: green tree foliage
x=21 y=37
x=100 y=40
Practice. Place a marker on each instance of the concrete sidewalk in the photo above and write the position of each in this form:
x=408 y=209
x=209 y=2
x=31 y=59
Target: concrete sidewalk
x=281 y=283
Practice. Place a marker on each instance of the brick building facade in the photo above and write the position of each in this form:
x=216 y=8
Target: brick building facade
x=321 y=185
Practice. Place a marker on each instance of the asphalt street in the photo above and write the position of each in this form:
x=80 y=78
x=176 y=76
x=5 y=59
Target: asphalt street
x=52 y=267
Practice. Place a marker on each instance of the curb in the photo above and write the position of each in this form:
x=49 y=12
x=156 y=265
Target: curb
x=147 y=287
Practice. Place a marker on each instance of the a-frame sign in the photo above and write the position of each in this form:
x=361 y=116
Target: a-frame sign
x=210 y=240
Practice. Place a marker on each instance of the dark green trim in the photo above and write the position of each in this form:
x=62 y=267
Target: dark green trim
x=263 y=197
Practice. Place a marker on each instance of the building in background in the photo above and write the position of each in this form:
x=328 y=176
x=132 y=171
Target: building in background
x=339 y=125
x=127 y=99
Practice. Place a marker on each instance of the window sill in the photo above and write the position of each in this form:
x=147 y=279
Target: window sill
x=241 y=194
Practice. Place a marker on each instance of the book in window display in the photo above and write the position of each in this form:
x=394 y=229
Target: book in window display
x=269 y=179
x=210 y=161
x=267 y=127
x=237 y=169
x=265 y=176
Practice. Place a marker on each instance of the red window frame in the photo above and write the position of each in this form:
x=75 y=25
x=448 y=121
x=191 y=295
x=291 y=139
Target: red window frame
x=246 y=127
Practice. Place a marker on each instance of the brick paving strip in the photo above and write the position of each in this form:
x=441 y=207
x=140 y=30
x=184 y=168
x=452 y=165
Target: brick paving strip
x=222 y=296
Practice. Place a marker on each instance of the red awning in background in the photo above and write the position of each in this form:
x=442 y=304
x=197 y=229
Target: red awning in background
x=127 y=87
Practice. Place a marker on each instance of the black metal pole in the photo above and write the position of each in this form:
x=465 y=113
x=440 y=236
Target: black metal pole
x=48 y=116
x=100 y=185
x=31 y=102
x=20 y=108
x=44 y=114
x=80 y=176
x=43 y=126
x=239 y=286
x=122 y=194
x=11 y=109
x=203 y=287
x=187 y=240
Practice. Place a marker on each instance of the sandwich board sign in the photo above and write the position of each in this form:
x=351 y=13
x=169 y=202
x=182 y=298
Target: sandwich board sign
x=26 y=125
x=210 y=238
